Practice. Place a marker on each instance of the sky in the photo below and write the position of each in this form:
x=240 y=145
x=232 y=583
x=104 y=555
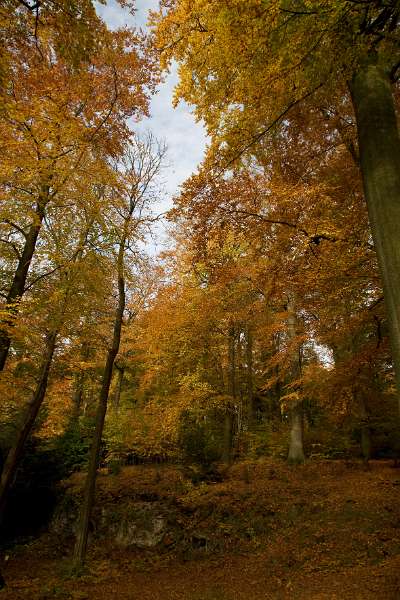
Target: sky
x=184 y=137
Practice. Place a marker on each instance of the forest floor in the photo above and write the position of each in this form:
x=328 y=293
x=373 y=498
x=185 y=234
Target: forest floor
x=325 y=530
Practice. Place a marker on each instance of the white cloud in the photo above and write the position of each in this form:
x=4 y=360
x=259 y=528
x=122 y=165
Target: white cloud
x=184 y=137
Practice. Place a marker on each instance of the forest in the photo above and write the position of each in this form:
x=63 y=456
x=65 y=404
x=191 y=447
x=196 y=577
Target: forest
x=219 y=420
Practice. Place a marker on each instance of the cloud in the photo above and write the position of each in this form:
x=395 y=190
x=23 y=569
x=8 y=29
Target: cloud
x=184 y=137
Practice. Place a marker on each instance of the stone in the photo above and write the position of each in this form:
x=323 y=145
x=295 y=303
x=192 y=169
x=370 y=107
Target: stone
x=143 y=526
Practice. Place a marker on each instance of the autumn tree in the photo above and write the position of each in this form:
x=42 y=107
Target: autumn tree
x=306 y=237
x=58 y=125
x=246 y=66
x=130 y=198
x=53 y=307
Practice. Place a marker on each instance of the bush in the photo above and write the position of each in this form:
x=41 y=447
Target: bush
x=199 y=441
x=71 y=449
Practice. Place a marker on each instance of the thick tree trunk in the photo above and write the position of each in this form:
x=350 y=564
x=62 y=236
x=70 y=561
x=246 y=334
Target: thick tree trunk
x=15 y=453
x=90 y=483
x=17 y=288
x=379 y=147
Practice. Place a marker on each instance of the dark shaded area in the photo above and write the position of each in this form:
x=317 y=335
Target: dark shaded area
x=34 y=494
x=33 y=497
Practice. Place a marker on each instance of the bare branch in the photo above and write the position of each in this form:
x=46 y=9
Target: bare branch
x=15 y=226
x=13 y=246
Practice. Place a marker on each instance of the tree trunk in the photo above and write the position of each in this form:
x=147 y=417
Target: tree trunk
x=365 y=431
x=228 y=418
x=17 y=288
x=77 y=395
x=90 y=482
x=228 y=438
x=296 y=452
x=249 y=377
x=379 y=146
x=118 y=387
x=79 y=381
x=15 y=453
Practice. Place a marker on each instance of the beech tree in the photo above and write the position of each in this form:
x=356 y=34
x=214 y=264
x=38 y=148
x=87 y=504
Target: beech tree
x=52 y=310
x=246 y=66
x=57 y=125
x=130 y=197
x=308 y=239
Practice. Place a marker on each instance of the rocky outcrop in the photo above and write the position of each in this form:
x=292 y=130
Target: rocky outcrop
x=140 y=524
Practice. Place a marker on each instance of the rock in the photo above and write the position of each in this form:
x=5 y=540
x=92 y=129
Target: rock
x=142 y=526
x=65 y=519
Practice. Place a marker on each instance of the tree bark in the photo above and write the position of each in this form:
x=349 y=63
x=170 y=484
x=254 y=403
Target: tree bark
x=17 y=288
x=249 y=377
x=118 y=387
x=228 y=418
x=379 y=147
x=365 y=431
x=79 y=382
x=15 y=453
x=90 y=483
x=296 y=452
x=77 y=395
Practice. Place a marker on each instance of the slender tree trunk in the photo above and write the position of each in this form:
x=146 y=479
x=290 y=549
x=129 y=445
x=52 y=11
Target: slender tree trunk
x=79 y=382
x=379 y=147
x=90 y=483
x=365 y=431
x=228 y=419
x=118 y=387
x=17 y=288
x=15 y=453
x=228 y=437
x=249 y=377
x=296 y=452
x=77 y=395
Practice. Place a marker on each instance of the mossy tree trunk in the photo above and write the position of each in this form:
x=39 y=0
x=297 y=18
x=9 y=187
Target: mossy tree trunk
x=79 y=384
x=379 y=148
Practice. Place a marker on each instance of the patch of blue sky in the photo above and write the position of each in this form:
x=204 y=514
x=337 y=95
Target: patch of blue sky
x=185 y=138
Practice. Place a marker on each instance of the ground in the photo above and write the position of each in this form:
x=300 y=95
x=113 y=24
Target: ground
x=324 y=530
